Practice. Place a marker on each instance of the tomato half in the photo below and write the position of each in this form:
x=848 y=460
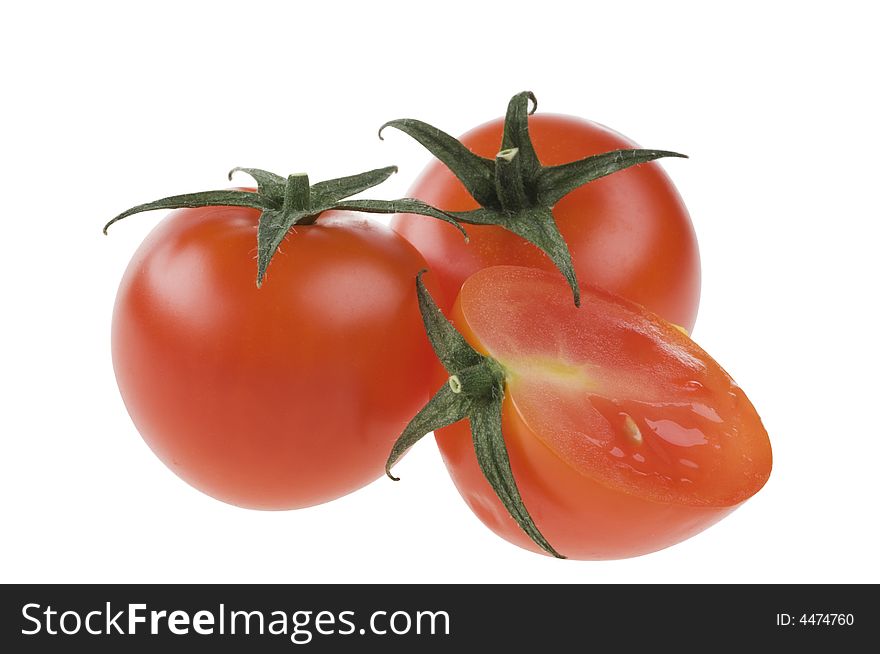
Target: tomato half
x=629 y=232
x=279 y=397
x=624 y=437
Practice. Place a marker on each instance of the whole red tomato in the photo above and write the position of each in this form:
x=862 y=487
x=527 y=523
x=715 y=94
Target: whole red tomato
x=276 y=397
x=628 y=232
x=594 y=433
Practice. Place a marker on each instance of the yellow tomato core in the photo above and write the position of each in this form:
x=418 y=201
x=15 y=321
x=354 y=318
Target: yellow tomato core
x=573 y=376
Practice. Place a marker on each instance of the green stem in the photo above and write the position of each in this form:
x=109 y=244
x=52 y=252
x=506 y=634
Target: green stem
x=297 y=197
x=478 y=381
x=509 y=182
x=514 y=190
x=285 y=203
x=475 y=390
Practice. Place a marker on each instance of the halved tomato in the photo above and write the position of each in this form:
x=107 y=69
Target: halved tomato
x=623 y=435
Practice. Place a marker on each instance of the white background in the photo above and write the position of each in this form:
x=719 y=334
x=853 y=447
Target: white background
x=108 y=105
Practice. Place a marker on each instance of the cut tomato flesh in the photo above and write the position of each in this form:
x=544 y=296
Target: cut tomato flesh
x=617 y=393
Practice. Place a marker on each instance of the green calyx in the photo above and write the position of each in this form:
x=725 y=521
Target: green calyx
x=286 y=202
x=514 y=190
x=474 y=390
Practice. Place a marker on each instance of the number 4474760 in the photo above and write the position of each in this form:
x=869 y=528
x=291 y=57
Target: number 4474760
x=815 y=619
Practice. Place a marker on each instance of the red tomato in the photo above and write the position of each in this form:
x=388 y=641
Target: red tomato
x=624 y=437
x=279 y=397
x=629 y=232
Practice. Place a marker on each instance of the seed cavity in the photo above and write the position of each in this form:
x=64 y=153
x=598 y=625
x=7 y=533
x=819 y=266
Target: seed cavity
x=631 y=429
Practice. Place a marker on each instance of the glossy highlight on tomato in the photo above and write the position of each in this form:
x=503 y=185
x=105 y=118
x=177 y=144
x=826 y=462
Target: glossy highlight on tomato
x=280 y=397
x=624 y=436
x=629 y=232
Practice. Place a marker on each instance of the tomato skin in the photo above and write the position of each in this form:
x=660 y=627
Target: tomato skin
x=587 y=511
x=629 y=232
x=280 y=397
x=580 y=517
